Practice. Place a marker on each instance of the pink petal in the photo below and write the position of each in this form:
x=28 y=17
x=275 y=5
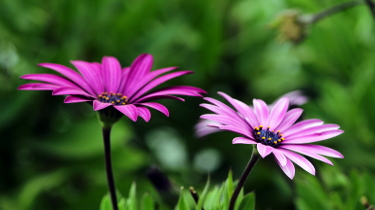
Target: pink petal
x=150 y=98
x=314 y=130
x=202 y=128
x=75 y=99
x=314 y=149
x=278 y=112
x=70 y=74
x=305 y=151
x=302 y=125
x=176 y=90
x=37 y=86
x=235 y=129
x=144 y=113
x=290 y=117
x=97 y=105
x=288 y=169
x=264 y=150
x=129 y=110
x=243 y=140
x=111 y=73
x=299 y=160
x=245 y=111
x=280 y=157
x=225 y=109
x=226 y=120
x=50 y=78
x=92 y=74
x=155 y=83
x=261 y=111
x=313 y=137
x=157 y=106
x=139 y=68
x=71 y=91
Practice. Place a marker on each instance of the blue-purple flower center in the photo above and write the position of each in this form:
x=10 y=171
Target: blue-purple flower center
x=113 y=98
x=267 y=136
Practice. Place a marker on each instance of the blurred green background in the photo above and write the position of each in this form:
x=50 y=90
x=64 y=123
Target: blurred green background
x=51 y=153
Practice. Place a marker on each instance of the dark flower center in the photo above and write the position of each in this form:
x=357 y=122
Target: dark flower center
x=267 y=136
x=113 y=98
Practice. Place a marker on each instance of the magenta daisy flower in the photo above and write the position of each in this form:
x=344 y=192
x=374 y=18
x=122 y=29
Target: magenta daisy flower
x=275 y=131
x=108 y=85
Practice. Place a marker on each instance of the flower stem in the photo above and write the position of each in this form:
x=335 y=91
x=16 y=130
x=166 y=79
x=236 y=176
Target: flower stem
x=335 y=9
x=108 y=166
x=371 y=6
x=250 y=165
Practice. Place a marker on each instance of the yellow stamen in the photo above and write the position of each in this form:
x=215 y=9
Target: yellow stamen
x=112 y=102
x=279 y=140
x=275 y=142
x=263 y=137
x=258 y=133
x=282 y=139
x=269 y=139
x=123 y=103
x=256 y=128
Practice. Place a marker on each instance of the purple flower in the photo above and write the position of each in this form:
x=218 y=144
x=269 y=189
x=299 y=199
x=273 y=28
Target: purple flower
x=275 y=131
x=296 y=98
x=107 y=84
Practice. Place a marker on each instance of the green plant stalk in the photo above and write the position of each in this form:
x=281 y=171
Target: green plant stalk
x=332 y=10
x=250 y=165
x=108 y=166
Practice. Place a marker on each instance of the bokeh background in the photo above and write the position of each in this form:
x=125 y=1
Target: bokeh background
x=51 y=153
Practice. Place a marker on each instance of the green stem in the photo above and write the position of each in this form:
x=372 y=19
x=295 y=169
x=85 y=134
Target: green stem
x=371 y=5
x=334 y=9
x=250 y=165
x=108 y=166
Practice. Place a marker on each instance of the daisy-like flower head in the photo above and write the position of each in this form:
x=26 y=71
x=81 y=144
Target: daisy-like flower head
x=106 y=84
x=274 y=131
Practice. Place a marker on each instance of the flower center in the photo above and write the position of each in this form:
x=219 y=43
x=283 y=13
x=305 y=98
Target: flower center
x=113 y=98
x=267 y=136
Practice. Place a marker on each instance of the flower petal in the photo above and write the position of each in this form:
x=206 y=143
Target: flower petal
x=299 y=160
x=288 y=169
x=235 y=129
x=70 y=91
x=76 y=99
x=261 y=111
x=243 y=140
x=305 y=151
x=302 y=125
x=226 y=120
x=129 y=110
x=144 y=113
x=280 y=157
x=70 y=74
x=317 y=149
x=202 y=128
x=278 y=112
x=111 y=73
x=157 y=106
x=38 y=86
x=139 y=68
x=226 y=110
x=313 y=137
x=97 y=105
x=314 y=130
x=177 y=90
x=50 y=78
x=290 y=117
x=92 y=74
x=264 y=150
x=245 y=111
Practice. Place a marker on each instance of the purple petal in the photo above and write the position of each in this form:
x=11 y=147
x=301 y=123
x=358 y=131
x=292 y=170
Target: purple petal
x=226 y=120
x=157 y=82
x=76 y=99
x=130 y=90
x=261 y=111
x=157 y=106
x=225 y=109
x=50 y=78
x=144 y=113
x=299 y=160
x=302 y=125
x=37 y=86
x=70 y=74
x=92 y=74
x=235 y=129
x=129 y=110
x=150 y=98
x=177 y=90
x=243 y=140
x=97 y=105
x=314 y=130
x=111 y=73
x=278 y=112
x=139 y=68
x=280 y=157
x=313 y=137
x=264 y=150
x=202 y=128
x=70 y=91
x=296 y=98
x=246 y=112
x=290 y=117
x=305 y=151
x=288 y=169
x=314 y=149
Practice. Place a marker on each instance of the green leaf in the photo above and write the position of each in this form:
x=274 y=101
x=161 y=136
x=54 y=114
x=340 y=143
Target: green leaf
x=204 y=194
x=147 y=202
x=132 y=200
x=182 y=204
x=248 y=202
x=105 y=204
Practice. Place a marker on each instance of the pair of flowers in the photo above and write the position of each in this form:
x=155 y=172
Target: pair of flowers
x=271 y=128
